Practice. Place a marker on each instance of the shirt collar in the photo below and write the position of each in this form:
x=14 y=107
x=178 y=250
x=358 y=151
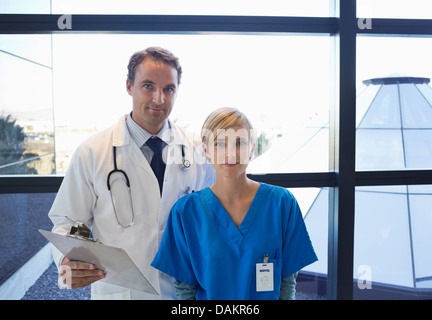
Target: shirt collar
x=140 y=135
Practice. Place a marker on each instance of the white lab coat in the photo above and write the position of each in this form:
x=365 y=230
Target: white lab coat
x=84 y=196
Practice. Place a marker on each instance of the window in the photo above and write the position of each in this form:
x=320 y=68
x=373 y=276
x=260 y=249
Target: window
x=25 y=6
x=309 y=8
x=394 y=110
x=21 y=215
x=264 y=76
x=26 y=114
x=392 y=244
x=379 y=144
x=415 y=9
x=314 y=204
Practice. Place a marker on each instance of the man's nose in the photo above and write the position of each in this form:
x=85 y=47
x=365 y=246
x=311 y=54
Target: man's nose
x=158 y=96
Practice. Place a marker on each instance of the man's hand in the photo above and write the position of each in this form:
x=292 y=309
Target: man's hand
x=77 y=274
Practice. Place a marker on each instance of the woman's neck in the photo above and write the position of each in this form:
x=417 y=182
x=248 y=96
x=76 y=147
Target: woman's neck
x=232 y=189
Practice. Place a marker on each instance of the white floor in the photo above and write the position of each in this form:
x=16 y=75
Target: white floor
x=17 y=285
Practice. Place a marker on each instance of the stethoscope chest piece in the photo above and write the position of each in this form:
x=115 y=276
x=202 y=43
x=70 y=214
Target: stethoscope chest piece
x=186 y=164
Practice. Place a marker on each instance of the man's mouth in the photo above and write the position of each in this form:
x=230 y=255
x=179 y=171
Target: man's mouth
x=158 y=109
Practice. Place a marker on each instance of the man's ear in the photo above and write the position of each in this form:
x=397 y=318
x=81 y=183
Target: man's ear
x=129 y=87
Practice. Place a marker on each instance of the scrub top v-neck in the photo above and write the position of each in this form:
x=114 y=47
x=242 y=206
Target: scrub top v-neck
x=202 y=246
x=234 y=233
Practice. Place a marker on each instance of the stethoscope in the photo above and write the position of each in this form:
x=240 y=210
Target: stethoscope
x=186 y=164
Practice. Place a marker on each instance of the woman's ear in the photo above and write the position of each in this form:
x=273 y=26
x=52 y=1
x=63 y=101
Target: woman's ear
x=251 y=153
x=206 y=154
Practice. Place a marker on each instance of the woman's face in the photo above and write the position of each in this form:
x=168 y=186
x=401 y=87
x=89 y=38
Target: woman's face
x=230 y=150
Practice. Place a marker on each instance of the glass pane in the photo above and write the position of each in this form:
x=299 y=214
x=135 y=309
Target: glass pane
x=416 y=109
x=418 y=150
x=36 y=48
x=381 y=113
x=261 y=75
x=393 y=247
x=21 y=215
x=414 y=9
x=421 y=215
x=26 y=119
x=25 y=6
x=379 y=150
x=312 y=280
x=380 y=57
x=310 y=8
x=394 y=93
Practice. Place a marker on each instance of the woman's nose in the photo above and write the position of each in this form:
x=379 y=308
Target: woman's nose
x=231 y=154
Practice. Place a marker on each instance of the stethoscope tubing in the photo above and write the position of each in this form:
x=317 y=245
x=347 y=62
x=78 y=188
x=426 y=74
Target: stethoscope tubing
x=186 y=165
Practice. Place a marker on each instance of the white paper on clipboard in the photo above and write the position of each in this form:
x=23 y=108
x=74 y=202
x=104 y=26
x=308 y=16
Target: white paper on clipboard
x=115 y=262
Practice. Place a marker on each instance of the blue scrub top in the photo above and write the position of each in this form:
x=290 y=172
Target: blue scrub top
x=202 y=246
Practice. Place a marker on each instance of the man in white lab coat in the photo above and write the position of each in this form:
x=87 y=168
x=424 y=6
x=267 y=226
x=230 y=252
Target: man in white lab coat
x=134 y=221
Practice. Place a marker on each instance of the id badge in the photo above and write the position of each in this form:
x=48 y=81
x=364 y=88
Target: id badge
x=264 y=276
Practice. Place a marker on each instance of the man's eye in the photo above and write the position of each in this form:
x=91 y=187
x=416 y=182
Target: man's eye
x=147 y=86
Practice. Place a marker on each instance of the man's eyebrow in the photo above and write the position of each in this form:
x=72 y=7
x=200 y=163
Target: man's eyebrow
x=173 y=85
x=147 y=81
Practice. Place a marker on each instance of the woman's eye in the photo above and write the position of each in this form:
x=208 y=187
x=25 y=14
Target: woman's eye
x=219 y=144
x=241 y=143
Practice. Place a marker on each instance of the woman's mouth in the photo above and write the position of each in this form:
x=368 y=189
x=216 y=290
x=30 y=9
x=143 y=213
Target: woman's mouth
x=230 y=165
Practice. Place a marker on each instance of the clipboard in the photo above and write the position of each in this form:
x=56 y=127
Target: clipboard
x=115 y=262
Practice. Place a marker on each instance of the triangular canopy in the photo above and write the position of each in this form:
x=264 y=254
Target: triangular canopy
x=393 y=224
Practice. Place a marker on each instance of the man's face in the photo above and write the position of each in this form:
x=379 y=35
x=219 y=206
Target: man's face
x=153 y=94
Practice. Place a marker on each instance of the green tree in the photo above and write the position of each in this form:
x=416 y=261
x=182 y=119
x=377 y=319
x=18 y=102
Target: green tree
x=12 y=148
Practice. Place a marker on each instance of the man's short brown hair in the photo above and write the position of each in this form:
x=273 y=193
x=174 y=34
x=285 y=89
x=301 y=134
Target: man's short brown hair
x=157 y=54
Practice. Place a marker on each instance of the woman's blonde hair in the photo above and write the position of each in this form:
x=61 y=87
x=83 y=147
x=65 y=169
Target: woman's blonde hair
x=222 y=119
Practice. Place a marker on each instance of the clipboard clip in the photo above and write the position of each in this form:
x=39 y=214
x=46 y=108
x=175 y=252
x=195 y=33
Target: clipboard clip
x=81 y=231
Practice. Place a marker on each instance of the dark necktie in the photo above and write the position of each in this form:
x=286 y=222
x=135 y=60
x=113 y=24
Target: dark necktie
x=157 y=163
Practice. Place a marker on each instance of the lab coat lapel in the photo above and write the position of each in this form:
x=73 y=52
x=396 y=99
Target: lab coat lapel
x=173 y=154
x=122 y=138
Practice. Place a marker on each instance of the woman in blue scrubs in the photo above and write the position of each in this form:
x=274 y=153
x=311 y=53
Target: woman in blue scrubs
x=238 y=239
